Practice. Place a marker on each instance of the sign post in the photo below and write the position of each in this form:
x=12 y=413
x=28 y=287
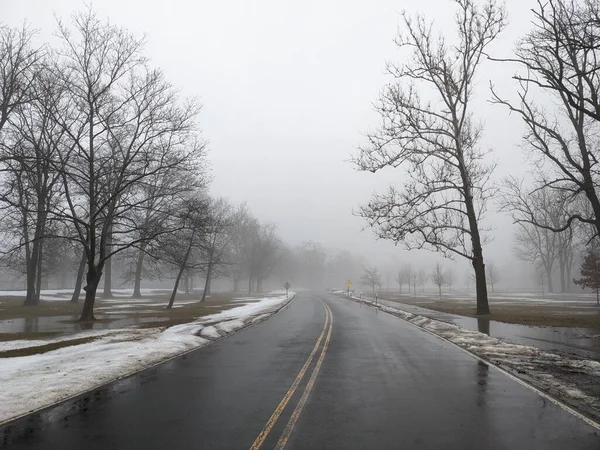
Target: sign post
x=286 y=286
x=348 y=283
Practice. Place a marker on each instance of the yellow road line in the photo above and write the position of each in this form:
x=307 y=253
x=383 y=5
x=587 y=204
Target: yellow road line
x=271 y=422
x=287 y=432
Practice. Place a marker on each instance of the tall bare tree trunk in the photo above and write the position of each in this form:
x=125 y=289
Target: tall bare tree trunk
x=175 y=287
x=108 y=267
x=32 y=263
x=139 y=265
x=40 y=263
x=207 y=282
x=93 y=277
x=561 y=264
x=79 y=279
x=181 y=269
x=483 y=306
x=548 y=269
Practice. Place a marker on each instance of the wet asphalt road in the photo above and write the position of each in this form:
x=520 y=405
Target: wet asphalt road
x=380 y=383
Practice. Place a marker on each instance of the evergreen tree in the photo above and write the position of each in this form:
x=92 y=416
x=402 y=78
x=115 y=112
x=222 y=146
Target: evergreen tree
x=590 y=273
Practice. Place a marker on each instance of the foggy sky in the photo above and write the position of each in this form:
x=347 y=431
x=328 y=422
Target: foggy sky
x=287 y=89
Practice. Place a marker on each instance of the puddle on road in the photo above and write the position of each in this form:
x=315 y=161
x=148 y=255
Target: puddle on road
x=583 y=342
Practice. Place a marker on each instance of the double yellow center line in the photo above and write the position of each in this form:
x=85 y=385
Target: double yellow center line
x=286 y=398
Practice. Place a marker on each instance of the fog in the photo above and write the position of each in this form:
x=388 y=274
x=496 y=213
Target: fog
x=287 y=91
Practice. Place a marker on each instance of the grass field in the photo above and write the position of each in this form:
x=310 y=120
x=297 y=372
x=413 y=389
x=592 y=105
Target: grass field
x=559 y=310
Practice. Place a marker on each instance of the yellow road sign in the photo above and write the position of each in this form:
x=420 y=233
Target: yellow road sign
x=348 y=283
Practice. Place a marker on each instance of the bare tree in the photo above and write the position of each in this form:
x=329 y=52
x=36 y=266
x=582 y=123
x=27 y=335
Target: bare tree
x=560 y=57
x=493 y=274
x=422 y=279
x=436 y=140
x=449 y=279
x=438 y=277
x=400 y=280
x=158 y=199
x=312 y=264
x=31 y=184
x=124 y=124
x=183 y=249
x=538 y=240
x=413 y=280
x=262 y=254
x=371 y=277
x=18 y=61
x=537 y=245
x=218 y=238
x=244 y=223
x=407 y=273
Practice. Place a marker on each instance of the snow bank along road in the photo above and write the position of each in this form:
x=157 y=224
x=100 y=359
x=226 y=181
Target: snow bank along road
x=31 y=382
x=324 y=373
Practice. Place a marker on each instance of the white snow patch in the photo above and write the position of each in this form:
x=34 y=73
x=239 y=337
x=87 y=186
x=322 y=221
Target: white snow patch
x=35 y=381
x=230 y=326
x=260 y=318
x=210 y=332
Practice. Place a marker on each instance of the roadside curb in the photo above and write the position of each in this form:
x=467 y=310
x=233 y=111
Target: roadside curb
x=588 y=414
x=250 y=322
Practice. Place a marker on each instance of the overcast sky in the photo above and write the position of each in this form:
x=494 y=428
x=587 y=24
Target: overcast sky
x=287 y=88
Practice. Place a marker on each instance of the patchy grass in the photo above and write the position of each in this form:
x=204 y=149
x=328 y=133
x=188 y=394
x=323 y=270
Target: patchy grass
x=25 y=336
x=578 y=315
x=44 y=348
x=51 y=318
x=13 y=308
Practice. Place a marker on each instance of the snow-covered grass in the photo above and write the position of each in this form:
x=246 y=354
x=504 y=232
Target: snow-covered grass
x=572 y=379
x=32 y=382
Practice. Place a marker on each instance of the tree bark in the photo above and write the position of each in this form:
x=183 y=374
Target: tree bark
x=139 y=265
x=236 y=284
x=79 y=279
x=108 y=267
x=207 y=283
x=92 y=281
x=561 y=263
x=480 y=286
x=549 y=276
x=483 y=306
x=181 y=269
x=38 y=281
x=249 y=284
x=30 y=282
x=174 y=293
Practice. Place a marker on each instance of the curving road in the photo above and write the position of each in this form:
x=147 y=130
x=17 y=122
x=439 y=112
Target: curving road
x=323 y=373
